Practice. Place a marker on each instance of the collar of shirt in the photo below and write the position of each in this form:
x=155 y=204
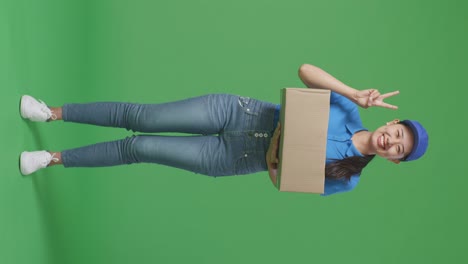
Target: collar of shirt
x=351 y=128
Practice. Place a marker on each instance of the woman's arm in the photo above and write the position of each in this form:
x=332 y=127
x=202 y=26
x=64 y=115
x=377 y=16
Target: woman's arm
x=314 y=77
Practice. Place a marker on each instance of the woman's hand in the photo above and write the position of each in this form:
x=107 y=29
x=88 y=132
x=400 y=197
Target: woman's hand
x=272 y=154
x=372 y=97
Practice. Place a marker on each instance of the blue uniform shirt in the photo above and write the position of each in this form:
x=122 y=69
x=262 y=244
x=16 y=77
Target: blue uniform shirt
x=344 y=121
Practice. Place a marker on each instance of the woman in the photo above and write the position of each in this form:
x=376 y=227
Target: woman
x=235 y=135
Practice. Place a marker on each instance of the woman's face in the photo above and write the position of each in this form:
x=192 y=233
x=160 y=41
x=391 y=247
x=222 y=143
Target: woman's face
x=393 y=141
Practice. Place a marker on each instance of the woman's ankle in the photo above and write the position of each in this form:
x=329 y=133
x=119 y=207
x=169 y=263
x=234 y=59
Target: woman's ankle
x=56 y=158
x=56 y=114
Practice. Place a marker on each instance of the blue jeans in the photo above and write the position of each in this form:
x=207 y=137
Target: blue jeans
x=232 y=134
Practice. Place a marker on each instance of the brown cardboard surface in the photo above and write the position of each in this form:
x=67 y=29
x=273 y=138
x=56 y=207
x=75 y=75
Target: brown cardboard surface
x=302 y=152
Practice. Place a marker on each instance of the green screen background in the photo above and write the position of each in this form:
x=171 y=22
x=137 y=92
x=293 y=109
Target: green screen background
x=159 y=51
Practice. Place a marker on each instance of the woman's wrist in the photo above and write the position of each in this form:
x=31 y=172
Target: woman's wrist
x=352 y=94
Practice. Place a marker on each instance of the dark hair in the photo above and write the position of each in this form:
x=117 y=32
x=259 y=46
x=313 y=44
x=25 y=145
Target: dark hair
x=347 y=167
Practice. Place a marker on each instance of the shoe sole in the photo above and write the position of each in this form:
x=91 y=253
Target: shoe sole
x=20 y=161
x=19 y=164
x=22 y=107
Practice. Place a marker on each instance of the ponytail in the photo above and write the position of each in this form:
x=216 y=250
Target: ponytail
x=347 y=167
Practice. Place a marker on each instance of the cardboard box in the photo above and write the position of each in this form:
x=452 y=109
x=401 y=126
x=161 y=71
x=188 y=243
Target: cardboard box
x=302 y=151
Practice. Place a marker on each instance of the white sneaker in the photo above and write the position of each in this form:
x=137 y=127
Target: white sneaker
x=35 y=110
x=32 y=161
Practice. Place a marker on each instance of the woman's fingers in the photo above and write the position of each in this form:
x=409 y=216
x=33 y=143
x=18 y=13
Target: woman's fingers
x=278 y=128
x=372 y=97
x=383 y=104
x=273 y=159
x=389 y=106
x=383 y=96
x=275 y=143
x=276 y=134
x=374 y=94
x=370 y=101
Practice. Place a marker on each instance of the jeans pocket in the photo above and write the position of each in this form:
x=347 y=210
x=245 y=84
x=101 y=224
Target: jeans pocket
x=241 y=164
x=249 y=162
x=245 y=103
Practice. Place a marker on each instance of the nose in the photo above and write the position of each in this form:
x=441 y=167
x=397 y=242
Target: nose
x=393 y=140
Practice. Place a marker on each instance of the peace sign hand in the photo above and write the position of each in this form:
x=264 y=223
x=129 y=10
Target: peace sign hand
x=372 y=97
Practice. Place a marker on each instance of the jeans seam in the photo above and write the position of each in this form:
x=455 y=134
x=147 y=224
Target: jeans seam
x=200 y=160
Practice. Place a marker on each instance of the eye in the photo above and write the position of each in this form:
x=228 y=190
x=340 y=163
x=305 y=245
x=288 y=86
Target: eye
x=398 y=133
x=399 y=149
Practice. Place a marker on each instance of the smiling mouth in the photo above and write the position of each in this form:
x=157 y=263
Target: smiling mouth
x=381 y=141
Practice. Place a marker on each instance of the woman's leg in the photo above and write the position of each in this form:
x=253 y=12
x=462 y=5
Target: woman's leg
x=208 y=155
x=238 y=150
x=200 y=115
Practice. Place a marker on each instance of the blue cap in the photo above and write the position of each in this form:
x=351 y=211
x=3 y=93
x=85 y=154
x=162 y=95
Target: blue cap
x=420 y=140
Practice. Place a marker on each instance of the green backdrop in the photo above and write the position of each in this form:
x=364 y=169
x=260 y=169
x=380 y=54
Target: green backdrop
x=158 y=51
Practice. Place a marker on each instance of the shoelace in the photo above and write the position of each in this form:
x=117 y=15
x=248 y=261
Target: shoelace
x=48 y=160
x=46 y=109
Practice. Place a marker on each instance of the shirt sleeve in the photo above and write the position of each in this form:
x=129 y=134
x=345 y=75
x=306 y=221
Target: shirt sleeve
x=339 y=186
x=336 y=98
x=344 y=105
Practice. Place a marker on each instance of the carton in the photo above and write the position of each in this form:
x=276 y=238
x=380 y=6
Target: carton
x=302 y=151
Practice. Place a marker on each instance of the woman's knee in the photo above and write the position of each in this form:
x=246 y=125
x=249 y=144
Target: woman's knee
x=128 y=150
